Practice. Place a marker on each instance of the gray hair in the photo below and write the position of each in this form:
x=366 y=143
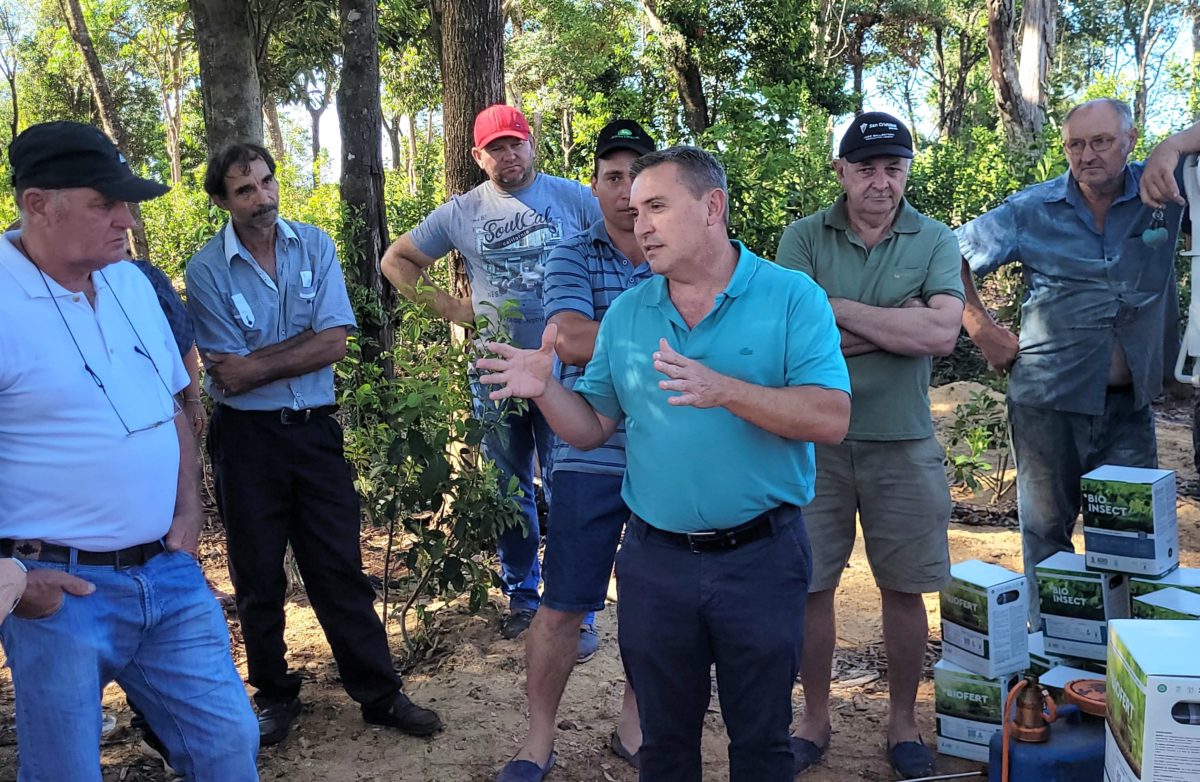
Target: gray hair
x=1119 y=106
x=699 y=171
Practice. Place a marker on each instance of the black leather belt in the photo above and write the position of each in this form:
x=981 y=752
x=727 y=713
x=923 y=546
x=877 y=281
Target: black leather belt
x=1122 y=388
x=757 y=528
x=287 y=416
x=40 y=551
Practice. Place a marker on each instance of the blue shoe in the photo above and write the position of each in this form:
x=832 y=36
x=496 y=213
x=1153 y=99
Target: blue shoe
x=517 y=622
x=805 y=754
x=911 y=759
x=589 y=642
x=526 y=770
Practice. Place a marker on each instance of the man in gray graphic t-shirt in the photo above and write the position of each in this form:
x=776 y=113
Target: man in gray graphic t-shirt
x=505 y=228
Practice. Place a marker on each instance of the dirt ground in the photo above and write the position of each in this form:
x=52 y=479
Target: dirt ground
x=477 y=684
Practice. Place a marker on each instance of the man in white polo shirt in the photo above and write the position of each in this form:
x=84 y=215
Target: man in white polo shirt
x=99 y=482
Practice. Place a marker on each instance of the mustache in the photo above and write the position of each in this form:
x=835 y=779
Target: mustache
x=265 y=210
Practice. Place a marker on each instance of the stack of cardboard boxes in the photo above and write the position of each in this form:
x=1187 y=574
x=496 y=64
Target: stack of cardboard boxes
x=1129 y=569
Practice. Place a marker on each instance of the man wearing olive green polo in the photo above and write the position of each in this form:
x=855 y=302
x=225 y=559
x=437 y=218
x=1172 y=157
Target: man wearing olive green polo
x=892 y=277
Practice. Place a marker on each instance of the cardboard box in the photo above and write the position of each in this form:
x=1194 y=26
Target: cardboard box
x=1076 y=604
x=1186 y=578
x=1169 y=603
x=1040 y=660
x=985 y=619
x=1152 y=731
x=1129 y=520
x=1055 y=679
x=970 y=709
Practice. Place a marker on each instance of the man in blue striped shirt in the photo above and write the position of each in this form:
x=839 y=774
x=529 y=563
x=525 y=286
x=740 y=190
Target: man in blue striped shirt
x=584 y=275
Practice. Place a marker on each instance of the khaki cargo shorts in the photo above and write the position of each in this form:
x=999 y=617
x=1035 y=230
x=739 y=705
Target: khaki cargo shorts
x=900 y=494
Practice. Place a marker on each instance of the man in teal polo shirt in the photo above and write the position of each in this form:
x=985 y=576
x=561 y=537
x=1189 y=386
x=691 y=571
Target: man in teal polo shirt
x=892 y=276
x=725 y=369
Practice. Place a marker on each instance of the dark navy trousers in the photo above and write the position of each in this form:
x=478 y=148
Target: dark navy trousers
x=741 y=609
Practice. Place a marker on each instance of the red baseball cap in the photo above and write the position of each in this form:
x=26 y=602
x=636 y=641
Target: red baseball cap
x=499 y=120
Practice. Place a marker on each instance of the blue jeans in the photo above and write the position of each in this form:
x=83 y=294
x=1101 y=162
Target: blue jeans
x=157 y=632
x=512 y=447
x=1052 y=451
x=680 y=612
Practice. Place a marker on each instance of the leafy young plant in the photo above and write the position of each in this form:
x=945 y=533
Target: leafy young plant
x=981 y=425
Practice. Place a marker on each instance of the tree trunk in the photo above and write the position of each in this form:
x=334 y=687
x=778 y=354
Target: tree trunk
x=314 y=116
x=392 y=129
x=1006 y=81
x=1144 y=35
x=107 y=108
x=274 y=130
x=233 y=106
x=688 y=81
x=471 y=52
x=360 y=121
x=408 y=128
x=1038 y=21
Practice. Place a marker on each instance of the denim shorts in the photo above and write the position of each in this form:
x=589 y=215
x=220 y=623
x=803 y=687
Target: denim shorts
x=587 y=515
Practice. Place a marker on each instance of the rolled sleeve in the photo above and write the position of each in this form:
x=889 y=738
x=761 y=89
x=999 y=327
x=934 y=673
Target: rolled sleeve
x=216 y=331
x=990 y=240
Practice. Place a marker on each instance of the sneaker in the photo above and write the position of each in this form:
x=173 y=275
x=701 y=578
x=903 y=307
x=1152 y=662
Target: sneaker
x=517 y=622
x=407 y=717
x=275 y=721
x=589 y=642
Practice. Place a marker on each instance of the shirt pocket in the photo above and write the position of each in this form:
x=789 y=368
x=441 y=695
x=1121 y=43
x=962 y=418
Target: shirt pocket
x=301 y=313
x=247 y=314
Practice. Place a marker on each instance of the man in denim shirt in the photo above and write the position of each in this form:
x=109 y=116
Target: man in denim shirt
x=271 y=313
x=1101 y=305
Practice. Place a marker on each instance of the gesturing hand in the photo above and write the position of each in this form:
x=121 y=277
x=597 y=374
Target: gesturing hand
x=698 y=386
x=520 y=373
x=1157 y=186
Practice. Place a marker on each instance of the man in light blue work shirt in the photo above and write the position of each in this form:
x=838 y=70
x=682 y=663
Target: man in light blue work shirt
x=725 y=368
x=1101 y=305
x=271 y=313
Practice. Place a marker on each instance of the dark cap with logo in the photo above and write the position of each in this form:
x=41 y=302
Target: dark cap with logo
x=60 y=155
x=624 y=134
x=875 y=134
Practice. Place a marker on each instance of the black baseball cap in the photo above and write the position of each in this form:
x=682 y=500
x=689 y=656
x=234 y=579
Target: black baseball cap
x=875 y=134
x=624 y=134
x=59 y=155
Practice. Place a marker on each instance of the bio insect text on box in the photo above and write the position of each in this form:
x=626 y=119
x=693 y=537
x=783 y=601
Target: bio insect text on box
x=984 y=618
x=1129 y=520
x=969 y=709
x=1076 y=604
x=1152 y=730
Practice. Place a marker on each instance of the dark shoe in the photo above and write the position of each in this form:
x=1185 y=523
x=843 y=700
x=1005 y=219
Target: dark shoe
x=589 y=642
x=805 y=754
x=516 y=622
x=911 y=759
x=275 y=721
x=526 y=770
x=621 y=751
x=407 y=717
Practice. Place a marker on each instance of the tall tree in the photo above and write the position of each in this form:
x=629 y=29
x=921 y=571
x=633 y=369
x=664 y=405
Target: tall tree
x=685 y=66
x=9 y=34
x=228 y=72
x=470 y=34
x=106 y=107
x=1020 y=85
x=362 y=164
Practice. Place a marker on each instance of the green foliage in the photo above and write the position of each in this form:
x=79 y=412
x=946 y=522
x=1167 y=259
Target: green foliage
x=419 y=467
x=980 y=425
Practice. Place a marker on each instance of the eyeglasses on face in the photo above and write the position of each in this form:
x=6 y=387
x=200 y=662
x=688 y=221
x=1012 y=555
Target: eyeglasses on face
x=1076 y=146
